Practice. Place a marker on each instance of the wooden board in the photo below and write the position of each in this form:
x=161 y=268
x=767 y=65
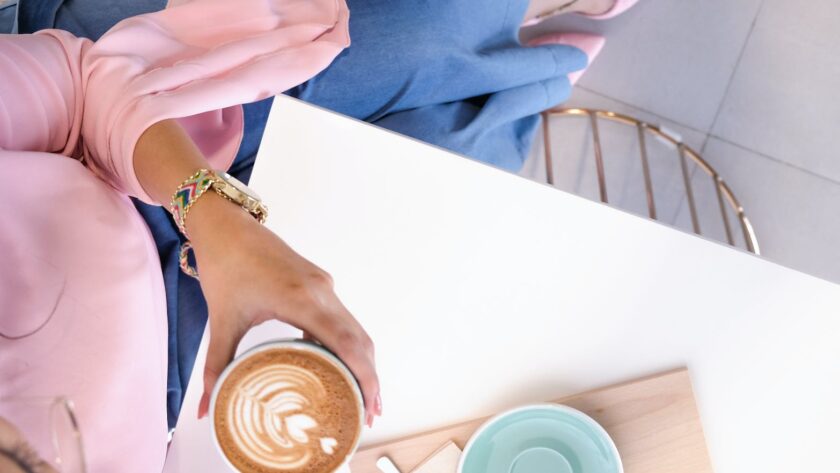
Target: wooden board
x=653 y=421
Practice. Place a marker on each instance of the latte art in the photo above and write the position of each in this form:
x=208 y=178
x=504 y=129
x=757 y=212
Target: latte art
x=287 y=410
x=270 y=413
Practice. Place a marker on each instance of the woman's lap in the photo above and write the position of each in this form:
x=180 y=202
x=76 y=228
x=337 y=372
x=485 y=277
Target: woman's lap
x=446 y=62
x=103 y=349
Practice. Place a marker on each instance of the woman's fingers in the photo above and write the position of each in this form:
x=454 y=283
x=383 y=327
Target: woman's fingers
x=356 y=351
x=336 y=328
x=224 y=338
x=361 y=362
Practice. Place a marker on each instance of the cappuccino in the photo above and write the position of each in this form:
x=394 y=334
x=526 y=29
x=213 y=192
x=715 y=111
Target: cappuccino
x=287 y=407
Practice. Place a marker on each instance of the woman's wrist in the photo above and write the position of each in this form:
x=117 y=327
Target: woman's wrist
x=164 y=157
x=212 y=217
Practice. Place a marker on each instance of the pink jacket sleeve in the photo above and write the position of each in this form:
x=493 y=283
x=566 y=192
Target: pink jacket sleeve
x=197 y=62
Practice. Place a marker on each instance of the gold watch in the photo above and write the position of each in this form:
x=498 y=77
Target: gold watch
x=235 y=191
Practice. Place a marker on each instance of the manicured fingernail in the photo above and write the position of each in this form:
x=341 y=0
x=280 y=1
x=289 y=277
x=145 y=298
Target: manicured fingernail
x=377 y=405
x=202 y=406
x=369 y=420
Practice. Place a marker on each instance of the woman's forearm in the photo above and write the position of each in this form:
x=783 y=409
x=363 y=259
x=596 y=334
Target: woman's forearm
x=165 y=155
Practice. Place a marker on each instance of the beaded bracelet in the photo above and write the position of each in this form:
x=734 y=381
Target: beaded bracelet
x=183 y=260
x=187 y=193
x=182 y=200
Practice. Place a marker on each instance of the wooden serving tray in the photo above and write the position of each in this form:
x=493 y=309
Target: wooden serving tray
x=653 y=421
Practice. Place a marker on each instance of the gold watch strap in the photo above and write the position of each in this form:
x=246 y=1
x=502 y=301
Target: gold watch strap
x=258 y=212
x=194 y=187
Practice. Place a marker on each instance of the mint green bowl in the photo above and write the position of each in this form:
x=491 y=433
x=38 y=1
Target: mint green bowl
x=541 y=438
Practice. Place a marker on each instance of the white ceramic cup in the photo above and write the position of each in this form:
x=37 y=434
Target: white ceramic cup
x=296 y=344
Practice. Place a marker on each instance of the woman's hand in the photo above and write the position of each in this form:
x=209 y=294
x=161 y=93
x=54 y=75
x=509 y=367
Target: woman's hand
x=249 y=276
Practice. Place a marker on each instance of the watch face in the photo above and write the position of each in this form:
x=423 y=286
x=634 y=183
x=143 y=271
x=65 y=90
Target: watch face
x=238 y=185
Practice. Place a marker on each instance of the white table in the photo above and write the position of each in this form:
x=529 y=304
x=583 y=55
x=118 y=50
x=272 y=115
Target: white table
x=483 y=290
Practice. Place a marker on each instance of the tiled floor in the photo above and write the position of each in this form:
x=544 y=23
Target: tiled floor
x=751 y=84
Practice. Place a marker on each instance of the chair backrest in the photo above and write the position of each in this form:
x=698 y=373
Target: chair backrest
x=682 y=153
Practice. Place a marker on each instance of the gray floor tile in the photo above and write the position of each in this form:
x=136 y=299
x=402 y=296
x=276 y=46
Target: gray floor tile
x=793 y=212
x=673 y=58
x=783 y=100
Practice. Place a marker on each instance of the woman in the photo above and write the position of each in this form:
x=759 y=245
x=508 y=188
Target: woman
x=145 y=107
x=80 y=258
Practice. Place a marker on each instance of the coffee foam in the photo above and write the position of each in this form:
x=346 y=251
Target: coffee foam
x=286 y=410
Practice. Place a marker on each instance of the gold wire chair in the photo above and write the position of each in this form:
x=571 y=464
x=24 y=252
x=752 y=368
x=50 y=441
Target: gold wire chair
x=724 y=193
